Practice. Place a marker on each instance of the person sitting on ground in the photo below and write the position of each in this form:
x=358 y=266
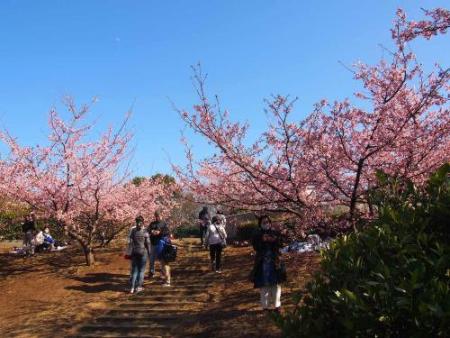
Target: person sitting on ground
x=49 y=241
x=215 y=238
x=38 y=241
x=138 y=247
x=268 y=271
x=157 y=229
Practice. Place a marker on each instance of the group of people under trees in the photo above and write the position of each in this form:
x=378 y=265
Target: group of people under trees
x=35 y=240
x=152 y=241
x=267 y=274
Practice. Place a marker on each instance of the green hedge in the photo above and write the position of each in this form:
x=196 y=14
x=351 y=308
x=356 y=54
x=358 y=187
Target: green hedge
x=187 y=231
x=245 y=231
x=392 y=279
x=10 y=223
x=11 y=231
x=12 y=228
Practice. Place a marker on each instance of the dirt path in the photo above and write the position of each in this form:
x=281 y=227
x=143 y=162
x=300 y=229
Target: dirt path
x=51 y=292
x=56 y=295
x=192 y=307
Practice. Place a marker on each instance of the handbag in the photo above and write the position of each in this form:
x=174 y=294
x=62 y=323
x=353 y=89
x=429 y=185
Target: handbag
x=129 y=249
x=224 y=240
x=256 y=263
x=169 y=253
x=280 y=271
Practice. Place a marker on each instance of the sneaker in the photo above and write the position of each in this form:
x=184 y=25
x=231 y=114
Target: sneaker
x=218 y=271
x=132 y=290
x=139 y=289
x=166 y=284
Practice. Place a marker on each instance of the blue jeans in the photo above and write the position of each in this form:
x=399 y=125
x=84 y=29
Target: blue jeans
x=138 y=270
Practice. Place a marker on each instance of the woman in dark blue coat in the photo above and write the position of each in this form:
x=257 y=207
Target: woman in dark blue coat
x=268 y=271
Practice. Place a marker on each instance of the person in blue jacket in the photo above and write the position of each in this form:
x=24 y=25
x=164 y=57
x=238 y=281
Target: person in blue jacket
x=49 y=241
x=159 y=236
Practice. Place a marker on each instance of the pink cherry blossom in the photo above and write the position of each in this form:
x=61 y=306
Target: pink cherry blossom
x=329 y=160
x=80 y=182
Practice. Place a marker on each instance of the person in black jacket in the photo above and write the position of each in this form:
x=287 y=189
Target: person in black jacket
x=205 y=219
x=29 y=230
x=158 y=230
x=268 y=272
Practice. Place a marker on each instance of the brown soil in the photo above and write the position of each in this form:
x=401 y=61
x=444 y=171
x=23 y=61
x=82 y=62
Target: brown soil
x=55 y=294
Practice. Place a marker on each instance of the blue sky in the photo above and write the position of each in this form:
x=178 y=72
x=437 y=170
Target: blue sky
x=140 y=52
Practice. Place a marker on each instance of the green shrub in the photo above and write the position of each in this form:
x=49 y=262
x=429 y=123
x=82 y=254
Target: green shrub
x=244 y=232
x=187 y=231
x=11 y=222
x=392 y=279
x=12 y=227
x=11 y=231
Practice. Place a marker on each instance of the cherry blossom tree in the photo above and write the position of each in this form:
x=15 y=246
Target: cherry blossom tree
x=80 y=182
x=400 y=124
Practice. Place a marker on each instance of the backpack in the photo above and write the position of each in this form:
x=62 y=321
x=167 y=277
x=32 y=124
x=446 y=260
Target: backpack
x=137 y=244
x=223 y=240
x=169 y=253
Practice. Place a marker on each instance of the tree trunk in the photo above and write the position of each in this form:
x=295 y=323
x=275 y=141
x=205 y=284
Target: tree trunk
x=355 y=194
x=371 y=211
x=88 y=254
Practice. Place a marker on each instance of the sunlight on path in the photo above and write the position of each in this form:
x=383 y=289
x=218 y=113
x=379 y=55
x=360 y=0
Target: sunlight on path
x=161 y=311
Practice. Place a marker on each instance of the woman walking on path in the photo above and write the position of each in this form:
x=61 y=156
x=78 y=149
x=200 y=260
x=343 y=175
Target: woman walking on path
x=215 y=238
x=138 y=247
x=268 y=271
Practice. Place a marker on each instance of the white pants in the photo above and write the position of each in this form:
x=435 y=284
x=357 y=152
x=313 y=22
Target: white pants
x=270 y=295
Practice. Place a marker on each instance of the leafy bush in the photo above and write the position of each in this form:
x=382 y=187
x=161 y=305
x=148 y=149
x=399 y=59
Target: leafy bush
x=11 y=217
x=11 y=231
x=187 y=231
x=244 y=232
x=12 y=227
x=392 y=279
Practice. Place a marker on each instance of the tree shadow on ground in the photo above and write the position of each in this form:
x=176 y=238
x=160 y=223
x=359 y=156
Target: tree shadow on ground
x=232 y=309
x=237 y=307
x=238 y=310
x=100 y=282
x=62 y=262
x=13 y=265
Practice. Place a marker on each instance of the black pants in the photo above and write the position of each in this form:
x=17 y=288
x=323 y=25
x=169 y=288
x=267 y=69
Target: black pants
x=215 y=252
x=202 y=234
